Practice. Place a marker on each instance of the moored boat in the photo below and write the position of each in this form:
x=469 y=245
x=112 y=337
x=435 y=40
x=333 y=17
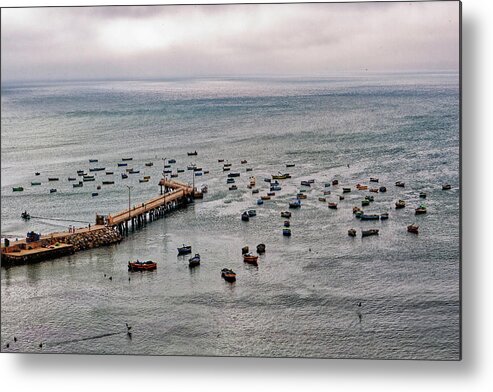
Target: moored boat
x=323 y=199
x=290 y=165
x=245 y=217
x=333 y=206
x=149 y=164
x=69 y=179
x=79 y=185
x=305 y=183
x=52 y=178
x=124 y=175
x=122 y=164
x=422 y=195
x=108 y=182
x=366 y=233
x=295 y=203
x=25 y=216
x=260 y=202
x=346 y=190
x=260 y=248
x=230 y=175
x=373 y=179
x=37 y=173
x=52 y=190
x=192 y=153
x=365 y=202
x=171 y=160
x=148 y=265
x=420 y=210
x=255 y=191
x=233 y=188
x=370 y=217
x=301 y=195
x=413 y=228
x=384 y=216
x=361 y=187
x=287 y=223
x=335 y=182
x=382 y=189
x=280 y=176
x=230 y=181
x=34 y=183
x=351 y=232
x=374 y=190
x=285 y=214
x=446 y=187
x=228 y=275
x=252 y=213
x=400 y=204
x=243 y=161
x=400 y=184
x=92 y=160
x=95 y=169
x=94 y=194
x=271 y=193
x=341 y=197
x=194 y=261
x=286 y=232
x=265 y=197
x=185 y=249
x=250 y=259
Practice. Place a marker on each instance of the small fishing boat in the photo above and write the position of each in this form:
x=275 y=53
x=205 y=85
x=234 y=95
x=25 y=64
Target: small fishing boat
x=253 y=181
x=301 y=196
x=341 y=197
x=233 y=188
x=227 y=164
x=356 y=209
x=37 y=173
x=124 y=175
x=249 y=169
x=335 y=182
x=122 y=164
x=295 y=203
x=196 y=168
x=95 y=194
x=198 y=174
x=149 y=164
x=109 y=173
x=400 y=204
x=192 y=153
x=185 y=249
x=252 y=213
x=226 y=169
x=147 y=177
x=52 y=178
x=286 y=232
x=140 y=180
x=79 y=185
x=220 y=160
x=98 y=187
x=370 y=217
x=305 y=183
x=228 y=275
x=81 y=173
x=384 y=216
x=382 y=189
x=361 y=187
x=260 y=202
x=285 y=214
x=333 y=206
x=287 y=223
x=400 y=184
x=166 y=166
x=172 y=160
x=34 y=183
x=108 y=182
x=323 y=199
x=245 y=217
x=180 y=170
x=194 y=261
x=191 y=166
x=420 y=210
x=290 y=164
x=206 y=172
x=167 y=171
x=271 y=193
x=230 y=181
x=346 y=190
x=267 y=180
x=260 y=248
x=204 y=188
x=70 y=179
x=446 y=187
x=422 y=195
x=134 y=171
x=250 y=259
x=370 y=198
x=243 y=161
x=366 y=233
x=265 y=197
x=351 y=232
x=413 y=228
x=142 y=265
x=255 y=191
x=230 y=175
x=88 y=178
x=52 y=190
x=327 y=184
x=327 y=193
x=374 y=190
x=95 y=169
x=25 y=216
x=373 y=179
x=92 y=160
x=359 y=213
x=280 y=176
x=365 y=202
x=127 y=159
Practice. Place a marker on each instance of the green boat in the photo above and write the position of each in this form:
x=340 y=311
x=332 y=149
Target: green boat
x=33 y=183
x=17 y=189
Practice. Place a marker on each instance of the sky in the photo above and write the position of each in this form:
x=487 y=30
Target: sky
x=141 y=42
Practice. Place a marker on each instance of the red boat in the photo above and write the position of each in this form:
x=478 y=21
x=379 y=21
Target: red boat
x=250 y=259
x=142 y=265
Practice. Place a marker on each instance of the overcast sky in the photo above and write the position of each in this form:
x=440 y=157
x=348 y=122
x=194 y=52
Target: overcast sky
x=228 y=40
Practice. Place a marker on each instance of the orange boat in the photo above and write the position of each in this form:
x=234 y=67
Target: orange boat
x=250 y=259
x=142 y=265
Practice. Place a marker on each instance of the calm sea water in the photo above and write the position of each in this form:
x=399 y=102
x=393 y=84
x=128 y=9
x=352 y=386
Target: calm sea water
x=302 y=300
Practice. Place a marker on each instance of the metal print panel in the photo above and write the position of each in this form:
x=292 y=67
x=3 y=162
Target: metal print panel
x=267 y=180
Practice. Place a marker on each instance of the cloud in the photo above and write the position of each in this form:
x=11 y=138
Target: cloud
x=282 y=39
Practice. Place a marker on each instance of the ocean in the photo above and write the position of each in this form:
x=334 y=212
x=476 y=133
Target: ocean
x=303 y=298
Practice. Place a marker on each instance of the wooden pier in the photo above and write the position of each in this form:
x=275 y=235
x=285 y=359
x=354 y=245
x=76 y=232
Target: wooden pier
x=174 y=194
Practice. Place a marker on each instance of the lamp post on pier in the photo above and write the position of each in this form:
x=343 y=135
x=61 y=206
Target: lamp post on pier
x=129 y=188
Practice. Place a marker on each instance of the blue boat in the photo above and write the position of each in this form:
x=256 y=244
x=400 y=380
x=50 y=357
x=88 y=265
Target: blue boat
x=286 y=232
x=197 y=174
x=194 y=261
x=185 y=249
x=275 y=188
x=171 y=160
x=260 y=202
x=295 y=203
x=370 y=217
x=122 y=164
